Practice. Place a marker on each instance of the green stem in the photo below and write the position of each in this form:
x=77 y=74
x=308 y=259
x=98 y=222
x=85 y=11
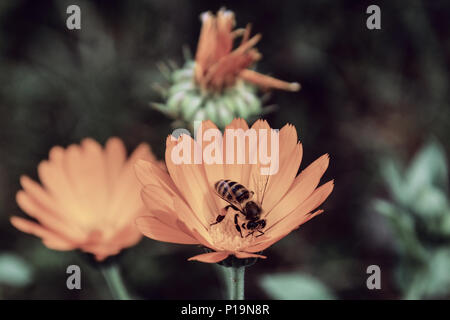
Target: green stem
x=115 y=283
x=235 y=282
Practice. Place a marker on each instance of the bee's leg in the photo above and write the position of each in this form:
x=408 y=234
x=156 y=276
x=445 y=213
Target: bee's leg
x=250 y=233
x=221 y=215
x=260 y=233
x=236 y=222
x=218 y=220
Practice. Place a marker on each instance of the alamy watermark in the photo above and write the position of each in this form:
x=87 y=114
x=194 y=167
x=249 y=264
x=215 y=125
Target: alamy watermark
x=74 y=280
x=74 y=20
x=374 y=20
x=374 y=280
x=235 y=146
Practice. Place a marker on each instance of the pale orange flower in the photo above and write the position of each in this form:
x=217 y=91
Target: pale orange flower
x=182 y=203
x=89 y=198
x=218 y=66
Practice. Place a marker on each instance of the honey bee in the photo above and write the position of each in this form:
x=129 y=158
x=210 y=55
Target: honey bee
x=240 y=199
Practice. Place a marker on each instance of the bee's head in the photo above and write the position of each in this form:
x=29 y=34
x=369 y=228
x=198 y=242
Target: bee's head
x=252 y=210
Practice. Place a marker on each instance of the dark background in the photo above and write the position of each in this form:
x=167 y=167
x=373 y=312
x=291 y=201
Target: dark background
x=366 y=95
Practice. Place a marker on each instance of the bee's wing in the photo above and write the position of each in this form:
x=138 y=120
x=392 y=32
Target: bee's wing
x=260 y=187
x=233 y=203
x=264 y=190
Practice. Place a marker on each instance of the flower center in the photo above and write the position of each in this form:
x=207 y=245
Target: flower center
x=225 y=235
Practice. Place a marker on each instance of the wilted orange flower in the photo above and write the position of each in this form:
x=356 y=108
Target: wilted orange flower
x=89 y=198
x=183 y=203
x=217 y=65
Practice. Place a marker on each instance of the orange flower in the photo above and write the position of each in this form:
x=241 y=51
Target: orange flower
x=89 y=198
x=217 y=65
x=183 y=204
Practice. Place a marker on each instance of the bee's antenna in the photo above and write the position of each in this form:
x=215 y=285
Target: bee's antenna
x=264 y=191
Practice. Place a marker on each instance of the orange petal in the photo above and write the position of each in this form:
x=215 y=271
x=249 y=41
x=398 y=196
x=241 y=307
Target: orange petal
x=158 y=199
x=157 y=230
x=301 y=189
x=315 y=169
x=206 y=42
x=80 y=174
x=151 y=173
x=212 y=155
x=254 y=170
x=214 y=169
x=211 y=257
x=142 y=152
x=144 y=172
x=92 y=179
x=225 y=23
x=244 y=255
x=268 y=82
x=192 y=222
x=196 y=190
x=103 y=247
x=127 y=237
x=126 y=200
x=292 y=220
x=237 y=131
x=47 y=217
x=263 y=245
x=36 y=191
x=115 y=157
x=50 y=239
x=54 y=176
x=290 y=157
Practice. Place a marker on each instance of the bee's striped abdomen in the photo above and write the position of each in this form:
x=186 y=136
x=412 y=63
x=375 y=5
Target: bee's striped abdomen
x=242 y=194
x=231 y=191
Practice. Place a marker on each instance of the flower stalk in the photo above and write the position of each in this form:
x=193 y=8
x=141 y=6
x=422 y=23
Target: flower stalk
x=234 y=277
x=116 y=286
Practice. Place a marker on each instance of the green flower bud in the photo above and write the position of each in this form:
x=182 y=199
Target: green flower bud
x=251 y=100
x=241 y=107
x=184 y=86
x=224 y=114
x=190 y=105
x=187 y=102
x=200 y=115
x=211 y=110
x=174 y=102
x=182 y=75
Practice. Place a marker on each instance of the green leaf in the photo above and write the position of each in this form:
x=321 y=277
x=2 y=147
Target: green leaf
x=403 y=225
x=14 y=271
x=295 y=286
x=438 y=276
x=391 y=173
x=430 y=202
x=429 y=280
x=428 y=168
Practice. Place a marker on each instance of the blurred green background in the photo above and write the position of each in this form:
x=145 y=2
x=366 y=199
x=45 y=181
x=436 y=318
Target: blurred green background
x=376 y=101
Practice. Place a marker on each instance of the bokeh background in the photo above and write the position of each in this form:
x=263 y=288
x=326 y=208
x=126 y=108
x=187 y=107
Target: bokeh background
x=376 y=101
